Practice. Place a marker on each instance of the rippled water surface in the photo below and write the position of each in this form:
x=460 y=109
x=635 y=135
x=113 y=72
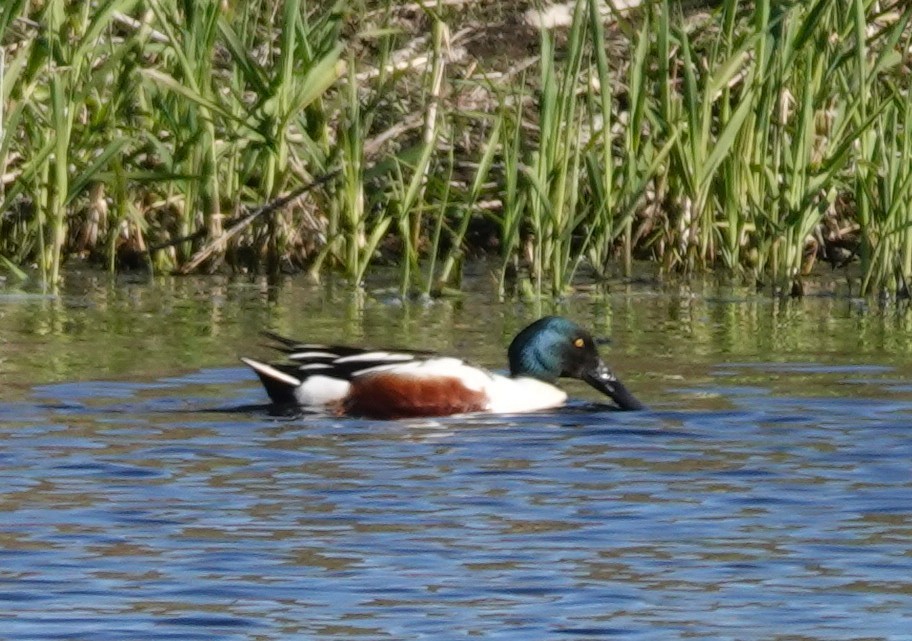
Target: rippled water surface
x=147 y=493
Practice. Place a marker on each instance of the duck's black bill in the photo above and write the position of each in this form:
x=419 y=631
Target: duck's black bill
x=607 y=383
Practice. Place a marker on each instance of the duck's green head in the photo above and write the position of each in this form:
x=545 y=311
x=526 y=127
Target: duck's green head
x=553 y=347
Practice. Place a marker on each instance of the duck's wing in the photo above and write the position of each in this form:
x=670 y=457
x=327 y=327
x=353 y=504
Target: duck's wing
x=343 y=361
x=291 y=346
x=318 y=374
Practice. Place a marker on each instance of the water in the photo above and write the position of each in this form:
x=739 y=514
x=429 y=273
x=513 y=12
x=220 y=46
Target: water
x=148 y=494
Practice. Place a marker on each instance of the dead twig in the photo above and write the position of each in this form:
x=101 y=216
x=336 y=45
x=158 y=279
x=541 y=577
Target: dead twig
x=214 y=244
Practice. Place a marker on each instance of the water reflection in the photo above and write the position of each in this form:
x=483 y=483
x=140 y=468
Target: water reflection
x=173 y=321
x=766 y=494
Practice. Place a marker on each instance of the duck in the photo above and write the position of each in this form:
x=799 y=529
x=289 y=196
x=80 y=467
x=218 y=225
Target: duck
x=400 y=384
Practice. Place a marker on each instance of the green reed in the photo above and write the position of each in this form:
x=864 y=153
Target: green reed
x=754 y=138
x=464 y=209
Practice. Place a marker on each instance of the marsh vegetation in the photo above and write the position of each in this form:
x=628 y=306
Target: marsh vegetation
x=749 y=138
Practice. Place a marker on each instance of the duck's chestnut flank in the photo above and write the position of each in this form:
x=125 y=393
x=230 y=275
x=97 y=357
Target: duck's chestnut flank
x=386 y=395
x=400 y=384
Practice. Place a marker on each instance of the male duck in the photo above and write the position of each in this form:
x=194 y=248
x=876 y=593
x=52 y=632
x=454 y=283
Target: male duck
x=402 y=384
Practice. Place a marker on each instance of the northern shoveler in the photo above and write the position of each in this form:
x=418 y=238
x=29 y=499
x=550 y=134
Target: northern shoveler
x=401 y=384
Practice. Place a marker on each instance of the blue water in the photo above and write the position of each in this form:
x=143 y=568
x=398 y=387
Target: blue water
x=130 y=519
x=758 y=500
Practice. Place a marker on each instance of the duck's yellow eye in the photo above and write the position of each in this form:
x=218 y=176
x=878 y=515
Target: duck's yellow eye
x=579 y=342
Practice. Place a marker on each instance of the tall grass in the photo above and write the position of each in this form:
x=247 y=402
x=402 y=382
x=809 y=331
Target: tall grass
x=754 y=138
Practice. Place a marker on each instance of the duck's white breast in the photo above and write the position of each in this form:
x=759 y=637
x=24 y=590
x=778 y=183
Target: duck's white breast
x=511 y=395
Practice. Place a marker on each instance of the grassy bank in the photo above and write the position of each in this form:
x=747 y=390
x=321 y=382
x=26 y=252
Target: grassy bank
x=194 y=136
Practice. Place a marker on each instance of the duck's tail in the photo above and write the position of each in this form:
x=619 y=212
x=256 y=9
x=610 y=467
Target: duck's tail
x=280 y=385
